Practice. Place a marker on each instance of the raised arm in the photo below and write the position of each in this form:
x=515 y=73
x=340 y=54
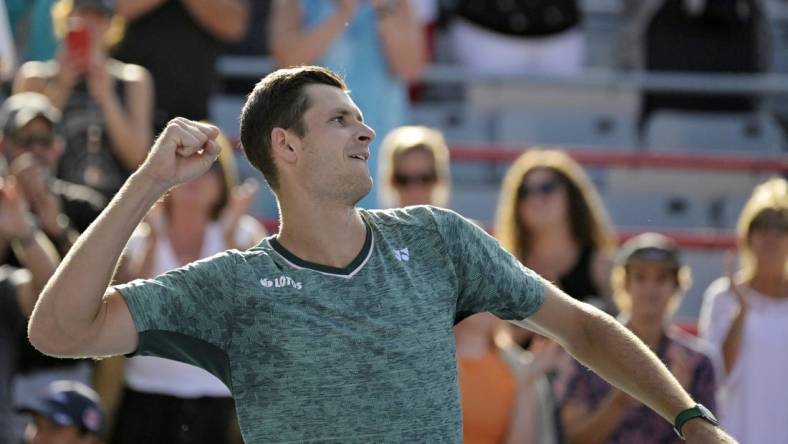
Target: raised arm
x=76 y=315
x=600 y=342
x=292 y=44
x=403 y=39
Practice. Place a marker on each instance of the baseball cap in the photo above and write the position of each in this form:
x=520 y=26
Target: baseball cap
x=107 y=6
x=70 y=403
x=652 y=247
x=19 y=109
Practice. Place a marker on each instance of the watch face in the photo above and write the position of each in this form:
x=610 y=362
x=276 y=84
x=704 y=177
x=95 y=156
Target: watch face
x=708 y=415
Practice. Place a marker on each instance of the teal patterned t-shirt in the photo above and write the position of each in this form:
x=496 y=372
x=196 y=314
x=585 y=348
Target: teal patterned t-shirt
x=320 y=354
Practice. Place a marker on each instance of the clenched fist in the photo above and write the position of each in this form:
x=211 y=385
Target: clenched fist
x=183 y=151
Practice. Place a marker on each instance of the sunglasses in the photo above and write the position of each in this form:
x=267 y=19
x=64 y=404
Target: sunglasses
x=28 y=141
x=770 y=222
x=544 y=189
x=415 y=179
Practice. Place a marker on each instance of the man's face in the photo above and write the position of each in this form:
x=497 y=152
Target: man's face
x=335 y=147
x=44 y=431
x=37 y=138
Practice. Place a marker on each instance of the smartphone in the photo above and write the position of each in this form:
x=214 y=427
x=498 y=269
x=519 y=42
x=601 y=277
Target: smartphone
x=78 y=44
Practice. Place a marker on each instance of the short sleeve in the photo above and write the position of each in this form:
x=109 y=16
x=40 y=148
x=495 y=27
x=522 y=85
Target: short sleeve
x=192 y=301
x=489 y=278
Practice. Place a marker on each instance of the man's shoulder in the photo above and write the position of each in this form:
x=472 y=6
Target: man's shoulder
x=424 y=216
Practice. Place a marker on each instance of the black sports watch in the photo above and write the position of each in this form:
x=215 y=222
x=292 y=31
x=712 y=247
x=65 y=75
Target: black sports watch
x=699 y=411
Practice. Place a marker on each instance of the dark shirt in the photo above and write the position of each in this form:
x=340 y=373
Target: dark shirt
x=12 y=327
x=180 y=55
x=578 y=282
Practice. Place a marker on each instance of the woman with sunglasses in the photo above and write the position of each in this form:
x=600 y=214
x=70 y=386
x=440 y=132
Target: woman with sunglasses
x=745 y=315
x=414 y=168
x=551 y=218
x=107 y=105
x=166 y=401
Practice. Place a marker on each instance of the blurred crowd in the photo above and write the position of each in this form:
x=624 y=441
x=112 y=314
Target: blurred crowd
x=87 y=84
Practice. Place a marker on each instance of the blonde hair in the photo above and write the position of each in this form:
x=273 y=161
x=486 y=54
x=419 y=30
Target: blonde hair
x=587 y=216
x=623 y=300
x=405 y=139
x=62 y=9
x=771 y=195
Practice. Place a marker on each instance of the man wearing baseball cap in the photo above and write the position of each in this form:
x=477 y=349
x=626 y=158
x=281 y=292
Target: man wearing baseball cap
x=68 y=412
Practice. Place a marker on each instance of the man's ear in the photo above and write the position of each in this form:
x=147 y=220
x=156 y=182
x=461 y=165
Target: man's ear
x=282 y=145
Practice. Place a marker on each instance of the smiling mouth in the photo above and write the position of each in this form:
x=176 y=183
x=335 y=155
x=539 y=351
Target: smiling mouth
x=361 y=156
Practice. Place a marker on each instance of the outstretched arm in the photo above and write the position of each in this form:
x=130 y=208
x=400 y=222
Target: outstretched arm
x=77 y=315
x=600 y=342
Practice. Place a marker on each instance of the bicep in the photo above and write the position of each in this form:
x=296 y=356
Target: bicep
x=114 y=332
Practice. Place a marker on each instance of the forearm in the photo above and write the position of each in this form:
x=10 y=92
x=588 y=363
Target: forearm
x=292 y=45
x=72 y=299
x=130 y=140
x=732 y=343
x=39 y=256
x=403 y=42
x=226 y=19
x=618 y=356
x=524 y=427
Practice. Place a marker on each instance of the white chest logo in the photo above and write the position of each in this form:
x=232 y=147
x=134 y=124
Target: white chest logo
x=281 y=281
x=402 y=255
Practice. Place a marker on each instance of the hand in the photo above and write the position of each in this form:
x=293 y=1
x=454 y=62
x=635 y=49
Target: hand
x=32 y=182
x=698 y=431
x=16 y=223
x=730 y=271
x=183 y=151
x=347 y=9
x=681 y=366
x=100 y=82
x=546 y=356
x=240 y=200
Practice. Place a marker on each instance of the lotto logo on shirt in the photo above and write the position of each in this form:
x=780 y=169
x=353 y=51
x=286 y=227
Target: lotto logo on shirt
x=281 y=281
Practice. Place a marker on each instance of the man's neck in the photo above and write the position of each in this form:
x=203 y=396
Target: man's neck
x=324 y=234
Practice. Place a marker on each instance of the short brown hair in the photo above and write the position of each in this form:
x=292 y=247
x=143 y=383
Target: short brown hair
x=279 y=100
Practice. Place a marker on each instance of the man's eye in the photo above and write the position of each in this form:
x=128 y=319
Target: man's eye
x=340 y=119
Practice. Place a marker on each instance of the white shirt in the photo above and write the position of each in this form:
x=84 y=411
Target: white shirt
x=164 y=376
x=753 y=397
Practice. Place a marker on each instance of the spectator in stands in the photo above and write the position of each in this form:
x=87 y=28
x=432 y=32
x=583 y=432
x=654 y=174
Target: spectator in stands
x=414 y=168
x=378 y=46
x=31 y=148
x=19 y=288
x=745 y=315
x=518 y=36
x=106 y=104
x=694 y=36
x=69 y=412
x=648 y=283
x=166 y=401
x=551 y=218
x=189 y=36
